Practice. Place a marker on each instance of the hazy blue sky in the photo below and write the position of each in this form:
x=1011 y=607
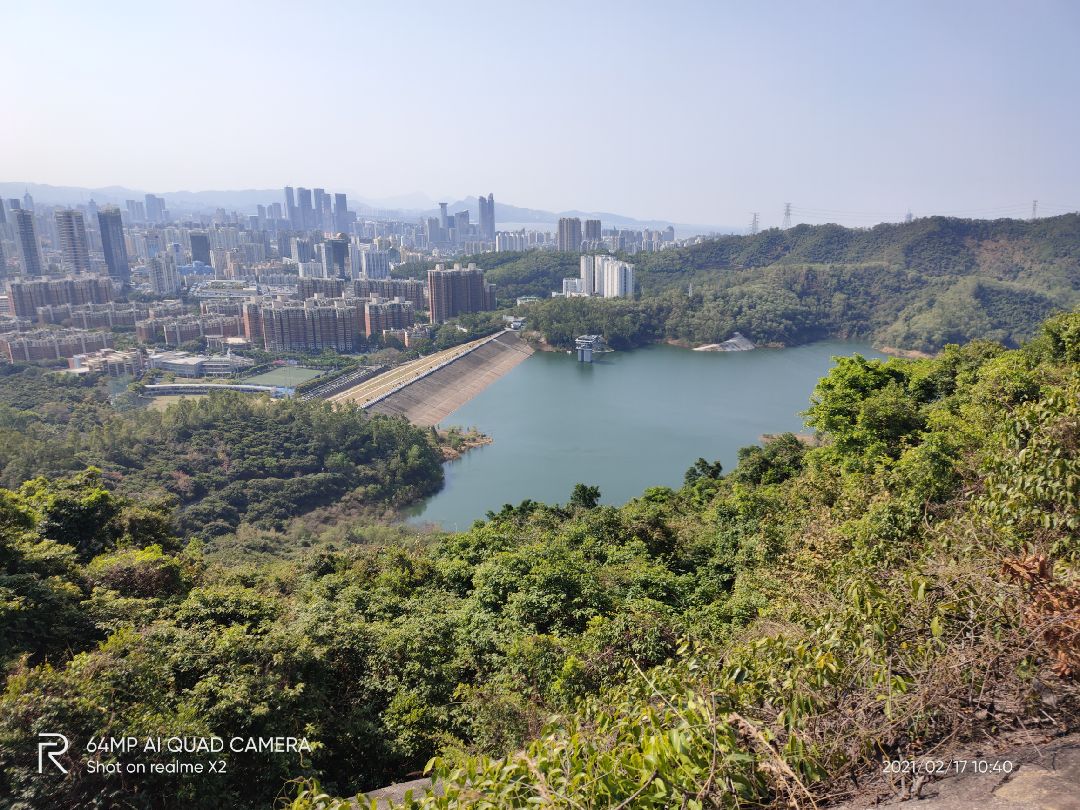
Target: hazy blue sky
x=693 y=111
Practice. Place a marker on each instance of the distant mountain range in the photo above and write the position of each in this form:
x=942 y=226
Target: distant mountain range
x=408 y=205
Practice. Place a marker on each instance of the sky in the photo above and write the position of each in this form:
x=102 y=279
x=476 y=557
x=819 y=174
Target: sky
x=698 y=112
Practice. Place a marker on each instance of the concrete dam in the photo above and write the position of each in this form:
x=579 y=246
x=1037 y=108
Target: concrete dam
x=428 y=390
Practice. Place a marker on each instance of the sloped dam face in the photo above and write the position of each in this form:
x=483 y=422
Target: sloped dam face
x=431 y=398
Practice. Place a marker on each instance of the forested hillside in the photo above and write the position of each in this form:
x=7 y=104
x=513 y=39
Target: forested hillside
x=224 y=460
x=917 y=285
x=755 y=638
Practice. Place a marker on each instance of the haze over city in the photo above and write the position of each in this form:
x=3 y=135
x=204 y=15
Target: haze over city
x=691 y=112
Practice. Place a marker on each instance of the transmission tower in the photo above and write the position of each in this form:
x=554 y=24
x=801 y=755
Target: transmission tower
x=754 y=224
x=909 y=216
x=1034 y=209
x=787 y=216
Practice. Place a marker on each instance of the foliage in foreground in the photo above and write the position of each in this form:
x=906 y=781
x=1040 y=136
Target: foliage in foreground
x=746 y=639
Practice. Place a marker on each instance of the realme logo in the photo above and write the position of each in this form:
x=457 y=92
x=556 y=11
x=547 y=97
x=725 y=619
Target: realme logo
x=53 y=747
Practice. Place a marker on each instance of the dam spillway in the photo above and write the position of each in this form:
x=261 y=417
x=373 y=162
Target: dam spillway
x=427 y=391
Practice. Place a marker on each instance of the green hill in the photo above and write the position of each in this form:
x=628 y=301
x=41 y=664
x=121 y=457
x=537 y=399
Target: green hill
x=918 y=285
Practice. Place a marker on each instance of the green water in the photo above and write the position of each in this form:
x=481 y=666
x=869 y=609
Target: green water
x=630 y=421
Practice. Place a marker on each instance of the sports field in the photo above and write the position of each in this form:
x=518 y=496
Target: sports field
x=284 y=376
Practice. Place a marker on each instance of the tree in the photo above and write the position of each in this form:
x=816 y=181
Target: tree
x=703 y=470
x=584 y=497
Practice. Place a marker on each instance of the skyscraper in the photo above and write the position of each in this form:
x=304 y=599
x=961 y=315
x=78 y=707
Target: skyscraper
x=74 y=248
x=336 y=251
x=487 y=218
x=26 y=236
x=112 y=244
x=200 y=246
x=164 y=278
x=318 y=205
x=592 y=230
x=460 y=223
x=290 y=209
x=306 y=215
x=569 y=238
x=136 y=211
x=155 y=209
x=341 y=213
x=444 y=222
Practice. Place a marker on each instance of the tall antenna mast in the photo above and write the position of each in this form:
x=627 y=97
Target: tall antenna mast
x=787 y=215
x=754 y=224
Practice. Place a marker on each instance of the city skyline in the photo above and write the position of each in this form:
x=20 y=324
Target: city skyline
x=700 y=113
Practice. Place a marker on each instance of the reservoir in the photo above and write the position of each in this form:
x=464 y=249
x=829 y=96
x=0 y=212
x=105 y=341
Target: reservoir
x=629 y=421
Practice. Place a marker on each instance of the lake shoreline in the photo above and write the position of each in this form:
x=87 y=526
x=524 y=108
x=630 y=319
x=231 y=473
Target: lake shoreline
x=541 y=345
x=630 y=421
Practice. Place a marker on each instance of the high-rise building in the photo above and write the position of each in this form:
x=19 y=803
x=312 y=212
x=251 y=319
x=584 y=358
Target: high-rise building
x=318 y=205
x=326 y=214
x=374 y=264
x=136 y=211
x=444 y=223
x=618 y=278
x=326 y=287
x=290 y=209
x=29 y=248
x=588 y=274
x=569 y=238
x=431 y=231
x=306 y=213
x=334 y=253
x=164 y=278
x=487 y=218
x=380 y=314
x=592 y=230
x=74 y=248
x=606 y=276
x=410 y=289
x=460 y=224
x=457 y=291
x=200 y=246
x=341 y=213
x=155 y=209
x=113 y=245
x=312 y=325
x=27 y=296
